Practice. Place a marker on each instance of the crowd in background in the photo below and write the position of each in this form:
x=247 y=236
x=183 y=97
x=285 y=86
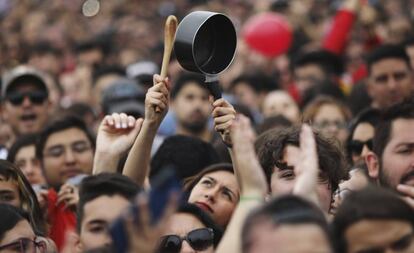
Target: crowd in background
x=309 y=150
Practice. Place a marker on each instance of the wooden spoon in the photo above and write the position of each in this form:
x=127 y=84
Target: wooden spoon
x=169 y=35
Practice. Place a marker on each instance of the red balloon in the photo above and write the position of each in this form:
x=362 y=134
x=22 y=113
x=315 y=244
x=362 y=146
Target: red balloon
x=268 y=33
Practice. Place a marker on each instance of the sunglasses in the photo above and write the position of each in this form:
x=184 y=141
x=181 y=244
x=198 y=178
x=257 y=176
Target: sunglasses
x=356 y=146
x=25 y=245
x=199 y=239
x=35 y=97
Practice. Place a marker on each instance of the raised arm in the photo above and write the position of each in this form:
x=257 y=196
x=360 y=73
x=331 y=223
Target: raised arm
x=308 y=168
x=137 y=165
x=251 y=179
x=336 y=39
x=116 y=134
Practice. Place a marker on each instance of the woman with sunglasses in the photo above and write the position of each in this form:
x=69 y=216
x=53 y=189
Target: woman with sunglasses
x=189 y=229
x=17 y=235
x=361 y=133
x=180 y=230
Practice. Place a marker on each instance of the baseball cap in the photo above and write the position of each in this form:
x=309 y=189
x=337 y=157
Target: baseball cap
x=125 y=96
x=22 y=73
x=142 y=71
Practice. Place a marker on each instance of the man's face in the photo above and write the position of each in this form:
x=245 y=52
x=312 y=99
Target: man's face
x=247 y=95
x=22 y=229
x=267 y=238
x=97 y=217
x=380 y=236
x=390 y=82
x=307 y=76
x=192 y=107
x=283 y=179
x=397 y=163
x=66 y=154
x=26 y=108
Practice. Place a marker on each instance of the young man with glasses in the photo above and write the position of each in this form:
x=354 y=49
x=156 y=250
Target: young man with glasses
x=25 y=99
x=18 y=235
x=65 y=150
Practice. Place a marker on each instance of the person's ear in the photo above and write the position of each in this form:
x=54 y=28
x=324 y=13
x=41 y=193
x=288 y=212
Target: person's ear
x=373 y=164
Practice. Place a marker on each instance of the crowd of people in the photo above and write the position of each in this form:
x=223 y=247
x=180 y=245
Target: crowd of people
x=311 y=150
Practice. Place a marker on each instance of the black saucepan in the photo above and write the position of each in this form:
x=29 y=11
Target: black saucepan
x=205 y=42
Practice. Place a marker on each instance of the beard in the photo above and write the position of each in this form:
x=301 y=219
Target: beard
x=195 y=127
x=385 y=181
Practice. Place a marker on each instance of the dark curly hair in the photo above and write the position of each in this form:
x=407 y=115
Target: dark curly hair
x=270 y=147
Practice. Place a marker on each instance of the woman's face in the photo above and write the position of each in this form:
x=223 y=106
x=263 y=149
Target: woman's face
x=22 y=230
x=362 y=135
x=331 y=122
x=217 y=193
x=181 y=224
x=30 y=166
x=9 y=192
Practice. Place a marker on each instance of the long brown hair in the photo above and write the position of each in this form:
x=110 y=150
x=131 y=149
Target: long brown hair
x=28 y=197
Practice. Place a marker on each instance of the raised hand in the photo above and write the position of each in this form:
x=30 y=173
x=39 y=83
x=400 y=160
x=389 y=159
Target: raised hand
x=250 y=173
x=157 y=100
x=116 y=134
x=252 y=181
x=307 y=168
x=156 y=106
x=224 y=116
x=69 y=196
x=145 y=237
x=408 y=192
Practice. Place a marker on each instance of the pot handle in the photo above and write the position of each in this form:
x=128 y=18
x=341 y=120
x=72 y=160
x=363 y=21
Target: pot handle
x=214 y=89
